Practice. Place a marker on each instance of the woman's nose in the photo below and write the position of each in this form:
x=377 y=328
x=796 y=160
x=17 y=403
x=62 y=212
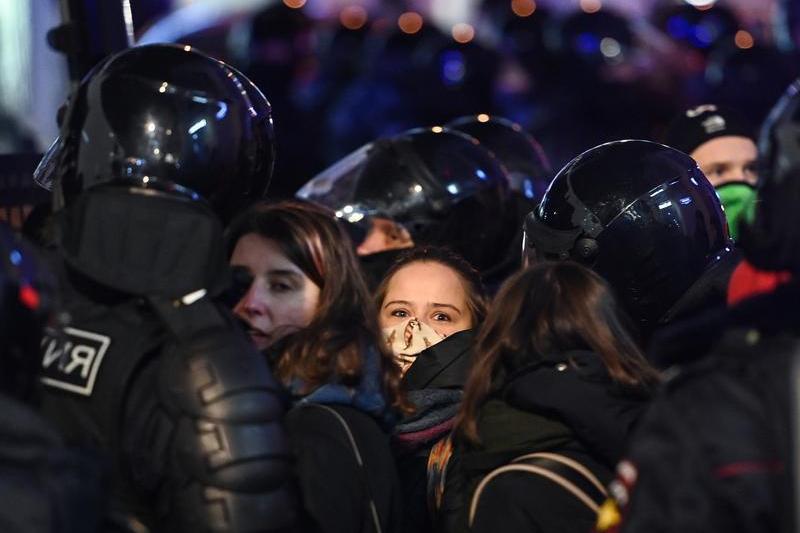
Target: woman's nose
x=254 y=301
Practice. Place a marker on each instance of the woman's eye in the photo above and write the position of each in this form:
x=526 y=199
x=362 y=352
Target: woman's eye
x=441 y=317
x=277 y=286
x=399 y=313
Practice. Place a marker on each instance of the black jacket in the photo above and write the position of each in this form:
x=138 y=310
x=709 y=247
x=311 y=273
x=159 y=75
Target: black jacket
x=715 y=452
x=336 y=490
x=443 y=366
x=567 y=404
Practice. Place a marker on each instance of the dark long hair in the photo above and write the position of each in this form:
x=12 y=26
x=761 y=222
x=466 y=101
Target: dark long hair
x=345 y=323
x=550 y=308
x=470 y=278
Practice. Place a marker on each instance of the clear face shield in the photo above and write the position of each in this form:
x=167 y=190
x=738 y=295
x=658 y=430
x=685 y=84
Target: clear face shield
x=335 y=189
x=45 y=172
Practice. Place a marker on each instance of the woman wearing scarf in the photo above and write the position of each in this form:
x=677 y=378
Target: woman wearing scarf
x=428 y=303
x=307 y=307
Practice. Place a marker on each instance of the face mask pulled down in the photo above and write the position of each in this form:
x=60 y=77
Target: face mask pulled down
x=408 y=338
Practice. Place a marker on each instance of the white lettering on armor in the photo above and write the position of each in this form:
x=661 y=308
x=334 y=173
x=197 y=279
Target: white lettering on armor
x=73 y=350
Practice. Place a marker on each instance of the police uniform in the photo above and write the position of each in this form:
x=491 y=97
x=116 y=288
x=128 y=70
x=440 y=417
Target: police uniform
x=151 y=372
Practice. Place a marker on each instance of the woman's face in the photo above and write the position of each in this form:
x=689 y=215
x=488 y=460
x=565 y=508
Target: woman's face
x=429 y=291
x=281 y=298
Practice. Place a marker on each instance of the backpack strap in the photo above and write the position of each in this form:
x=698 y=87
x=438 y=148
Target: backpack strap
x=570 y=474
x=357 y=453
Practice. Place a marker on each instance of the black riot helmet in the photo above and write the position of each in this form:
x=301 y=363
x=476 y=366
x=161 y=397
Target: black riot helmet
x=640 y=214
x=27 y=292
x=528 y=168
x=440 y=184
x=772 y=241
x=169 y=118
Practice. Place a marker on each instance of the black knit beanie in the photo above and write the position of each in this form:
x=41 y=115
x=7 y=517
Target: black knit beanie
x=702 y=123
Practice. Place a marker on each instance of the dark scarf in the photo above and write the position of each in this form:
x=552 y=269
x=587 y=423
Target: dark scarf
x=368 y=396
x=434 y=385
x=432 y=420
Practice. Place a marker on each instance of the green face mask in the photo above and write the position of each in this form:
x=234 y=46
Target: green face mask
x=739 y=201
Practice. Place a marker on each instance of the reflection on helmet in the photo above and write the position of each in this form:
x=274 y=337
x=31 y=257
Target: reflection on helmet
x=442 y=185
x=528 y=168
x=640 y=214
x=165 y=117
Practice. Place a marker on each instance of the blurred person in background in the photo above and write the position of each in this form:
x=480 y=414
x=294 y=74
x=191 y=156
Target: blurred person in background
x=597 y=84
x=307 y=308
x=281 y=59
x=722 y=144
x=555 y=371
x=429 y=305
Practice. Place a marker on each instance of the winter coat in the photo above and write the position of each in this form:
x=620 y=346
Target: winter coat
x=336 y=490
x=339 y=437
x=566 y=404
x=714 y=453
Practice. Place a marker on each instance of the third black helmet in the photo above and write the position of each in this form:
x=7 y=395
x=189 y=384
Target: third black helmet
x=640 y=214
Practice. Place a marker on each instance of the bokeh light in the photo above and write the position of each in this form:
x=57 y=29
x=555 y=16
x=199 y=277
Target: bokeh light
x=294 y=4
x=701 y=4
x=591 y=6
x=410 y=22
x=523 y=8
x=743 y=40
x=353 y=17
x=463 y=33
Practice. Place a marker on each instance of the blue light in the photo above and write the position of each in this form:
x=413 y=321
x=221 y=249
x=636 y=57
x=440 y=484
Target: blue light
x=16 y=257
x=678 y=27
x=527 y=189
x=703 y=35
x=685 y=201
x=453 y=68
x=587 y=43
x=481 y=174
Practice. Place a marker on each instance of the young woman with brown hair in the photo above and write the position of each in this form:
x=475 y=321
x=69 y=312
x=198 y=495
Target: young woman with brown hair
x=429 y=304
x=555 y=370
x=306 y=305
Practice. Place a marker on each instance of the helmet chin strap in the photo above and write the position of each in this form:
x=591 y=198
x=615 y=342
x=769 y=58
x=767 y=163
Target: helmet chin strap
x=144 y=244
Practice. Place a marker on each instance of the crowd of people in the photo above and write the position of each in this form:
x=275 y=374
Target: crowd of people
x=436 y=333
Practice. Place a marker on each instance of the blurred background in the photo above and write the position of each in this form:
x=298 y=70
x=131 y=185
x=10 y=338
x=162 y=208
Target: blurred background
x=340 y=73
